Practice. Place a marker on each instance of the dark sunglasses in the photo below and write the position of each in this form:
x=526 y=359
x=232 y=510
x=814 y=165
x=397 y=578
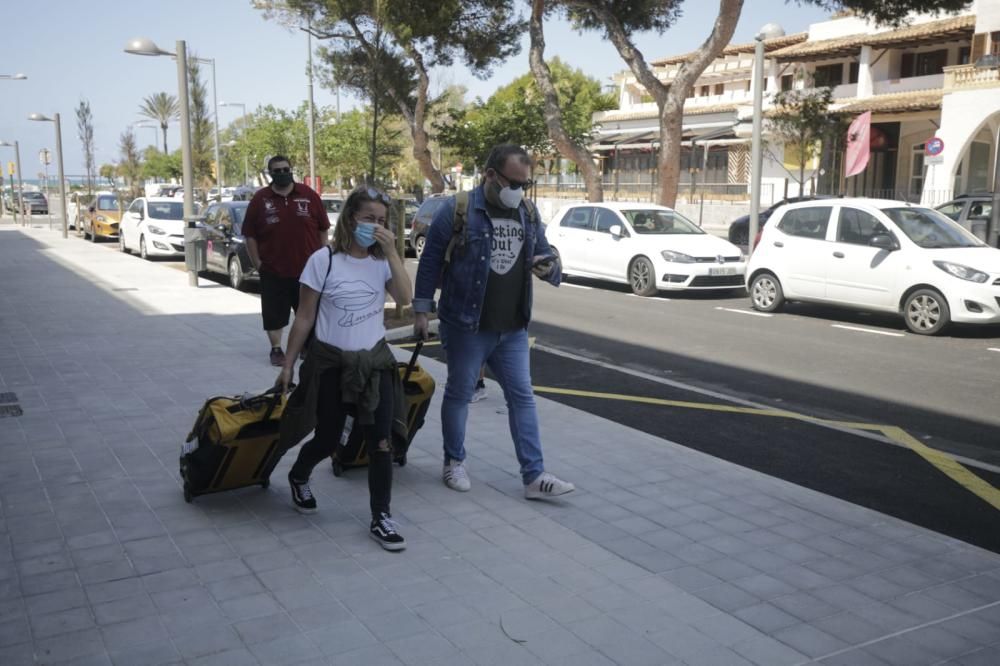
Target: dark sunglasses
x=516 y=185
x=282 y=170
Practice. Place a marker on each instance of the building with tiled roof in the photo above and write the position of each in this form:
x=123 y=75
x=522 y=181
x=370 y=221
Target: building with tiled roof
x=932 y=76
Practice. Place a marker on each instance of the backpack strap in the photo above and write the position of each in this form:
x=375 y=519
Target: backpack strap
x=459 y=232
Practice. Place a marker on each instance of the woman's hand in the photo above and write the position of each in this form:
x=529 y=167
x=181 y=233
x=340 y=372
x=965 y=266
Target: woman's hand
x=385 y=239
x=285 y=378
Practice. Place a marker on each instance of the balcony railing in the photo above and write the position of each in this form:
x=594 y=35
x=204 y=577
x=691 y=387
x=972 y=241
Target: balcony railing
x=969 y=76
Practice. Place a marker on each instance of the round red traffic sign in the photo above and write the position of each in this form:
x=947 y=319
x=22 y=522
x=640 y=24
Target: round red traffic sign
x=934 y=147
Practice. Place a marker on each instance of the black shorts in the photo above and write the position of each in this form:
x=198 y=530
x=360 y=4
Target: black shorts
x=278 y=295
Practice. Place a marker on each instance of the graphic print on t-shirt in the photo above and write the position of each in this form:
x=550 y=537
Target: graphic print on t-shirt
x=508 y=239
x=354 y=296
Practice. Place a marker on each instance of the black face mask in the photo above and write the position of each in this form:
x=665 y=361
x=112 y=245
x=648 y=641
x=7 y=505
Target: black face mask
x=281 y=179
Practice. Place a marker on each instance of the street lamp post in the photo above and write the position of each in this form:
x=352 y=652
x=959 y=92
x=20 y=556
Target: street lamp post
x=312 y=115
x=992 y=61
x=246 y=159
x=59 y=167
x=20 y=182
x=147 y=47
x=215 y=103
x=756 y=142
x=145 y=125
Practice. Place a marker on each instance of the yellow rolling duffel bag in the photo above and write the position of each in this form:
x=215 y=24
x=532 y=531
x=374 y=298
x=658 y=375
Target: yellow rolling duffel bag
x=233 y=443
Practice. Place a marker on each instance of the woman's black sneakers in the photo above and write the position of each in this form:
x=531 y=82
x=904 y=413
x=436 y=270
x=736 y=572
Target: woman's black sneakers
x=383 y=530
x=302 y=496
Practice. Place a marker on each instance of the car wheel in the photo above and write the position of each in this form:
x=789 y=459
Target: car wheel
x=142 y=248
x=926 y=312
x=739 y=236
x=121 y=243
x=418 y=245
x=766 y=294
x=235 y=273
x=642 y=277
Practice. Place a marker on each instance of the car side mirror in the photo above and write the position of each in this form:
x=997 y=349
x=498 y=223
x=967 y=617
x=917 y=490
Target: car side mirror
x=616 y=230
x=884 y=242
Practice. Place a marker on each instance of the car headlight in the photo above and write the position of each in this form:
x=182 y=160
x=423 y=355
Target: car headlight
x=99 y=218
x=962 y=272
x=156 y=230
x=677 y=257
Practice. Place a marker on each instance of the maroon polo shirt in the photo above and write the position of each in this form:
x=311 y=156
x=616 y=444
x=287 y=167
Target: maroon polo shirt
x=286 y=228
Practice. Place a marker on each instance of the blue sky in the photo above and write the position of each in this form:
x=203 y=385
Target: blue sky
x=71 y=49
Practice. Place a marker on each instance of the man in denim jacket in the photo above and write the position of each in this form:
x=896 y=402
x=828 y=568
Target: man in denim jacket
x=486 y=294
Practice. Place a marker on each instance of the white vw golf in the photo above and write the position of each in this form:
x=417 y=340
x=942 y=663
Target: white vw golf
x=646 y=246
x=154 y=227
x=881 y=255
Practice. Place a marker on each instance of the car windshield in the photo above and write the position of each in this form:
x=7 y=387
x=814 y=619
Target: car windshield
x=33 y=195
x=658 y=221
x=166 y=210
x=107 y=203
x=930 y=229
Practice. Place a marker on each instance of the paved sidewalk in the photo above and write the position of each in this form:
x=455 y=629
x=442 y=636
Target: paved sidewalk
x=663 y=555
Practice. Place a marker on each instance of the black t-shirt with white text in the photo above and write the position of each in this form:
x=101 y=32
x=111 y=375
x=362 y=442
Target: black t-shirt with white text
x=502 y=306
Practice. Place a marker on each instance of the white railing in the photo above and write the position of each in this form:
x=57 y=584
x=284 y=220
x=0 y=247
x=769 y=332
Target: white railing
x=890 y=86
x=970 y=76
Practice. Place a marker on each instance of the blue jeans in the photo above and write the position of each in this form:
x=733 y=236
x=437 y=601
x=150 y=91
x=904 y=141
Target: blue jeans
x=507 y=356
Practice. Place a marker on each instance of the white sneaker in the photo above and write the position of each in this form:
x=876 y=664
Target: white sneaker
x=479 y=393
x=546 y=486
x=456 y=477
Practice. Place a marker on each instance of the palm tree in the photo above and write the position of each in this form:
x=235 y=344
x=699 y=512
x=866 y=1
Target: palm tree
x=162 y=108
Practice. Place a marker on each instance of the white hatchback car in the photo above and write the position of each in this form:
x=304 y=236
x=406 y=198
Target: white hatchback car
x=154 y=227
x=646 y=246
x=874 y=254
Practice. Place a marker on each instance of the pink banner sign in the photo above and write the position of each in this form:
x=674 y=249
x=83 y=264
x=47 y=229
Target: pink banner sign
x=858 y=145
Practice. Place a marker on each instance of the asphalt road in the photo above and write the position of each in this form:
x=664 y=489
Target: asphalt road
x=818 y=361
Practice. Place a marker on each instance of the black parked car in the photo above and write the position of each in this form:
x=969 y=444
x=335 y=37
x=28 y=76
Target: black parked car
x=422 y=220
x=972 y=211
x=739 y=229
x=227 y=251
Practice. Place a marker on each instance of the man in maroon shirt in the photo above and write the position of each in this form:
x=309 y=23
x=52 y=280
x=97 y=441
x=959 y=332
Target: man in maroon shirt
x=284 y=224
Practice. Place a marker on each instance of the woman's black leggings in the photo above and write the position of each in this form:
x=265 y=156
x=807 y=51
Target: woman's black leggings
x=331 y=413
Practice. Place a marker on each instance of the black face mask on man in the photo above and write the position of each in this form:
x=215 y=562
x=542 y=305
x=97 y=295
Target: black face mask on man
x=281 y=178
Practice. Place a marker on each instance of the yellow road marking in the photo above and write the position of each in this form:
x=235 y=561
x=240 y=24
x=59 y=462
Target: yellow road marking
x=940 y=460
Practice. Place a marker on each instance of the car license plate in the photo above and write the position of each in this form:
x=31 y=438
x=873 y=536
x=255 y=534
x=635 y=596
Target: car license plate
x=722 y=271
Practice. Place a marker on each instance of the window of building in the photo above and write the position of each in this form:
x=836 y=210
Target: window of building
x=720 y=88
x=923 y=64
x=750 y=85
x=828 y=76
x=995 y=42
x=706 y=91
x=786 y=82
x=964 y=55
x=916 y=172
x=853 y=72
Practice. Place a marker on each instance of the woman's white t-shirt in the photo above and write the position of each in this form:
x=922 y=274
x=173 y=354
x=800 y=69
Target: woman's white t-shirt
x=352 y=299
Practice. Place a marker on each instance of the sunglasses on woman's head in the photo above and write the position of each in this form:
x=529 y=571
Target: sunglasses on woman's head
x=376 y=195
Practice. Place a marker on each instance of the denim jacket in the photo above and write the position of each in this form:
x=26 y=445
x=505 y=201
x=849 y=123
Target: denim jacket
x=463 y=284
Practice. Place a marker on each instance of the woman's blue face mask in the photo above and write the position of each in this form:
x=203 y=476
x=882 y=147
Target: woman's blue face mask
x=364 y=234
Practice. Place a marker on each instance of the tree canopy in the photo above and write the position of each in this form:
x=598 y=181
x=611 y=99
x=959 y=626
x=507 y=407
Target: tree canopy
x=515 y=114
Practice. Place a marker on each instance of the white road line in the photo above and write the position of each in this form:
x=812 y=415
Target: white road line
x=740 y=401
x=649 y=298
x=868 y=330
x=576 y=286
x=746 y=312
x=996 y=349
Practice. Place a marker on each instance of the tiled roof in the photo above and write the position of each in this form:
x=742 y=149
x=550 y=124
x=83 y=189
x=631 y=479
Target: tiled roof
x=915 y=100
x=689 y=110
x=933 y=31
x=747 y=47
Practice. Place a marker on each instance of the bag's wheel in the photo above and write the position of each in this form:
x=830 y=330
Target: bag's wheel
x=188 y=497
x=265 y=484
x=402 y=460
x=338 y=469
